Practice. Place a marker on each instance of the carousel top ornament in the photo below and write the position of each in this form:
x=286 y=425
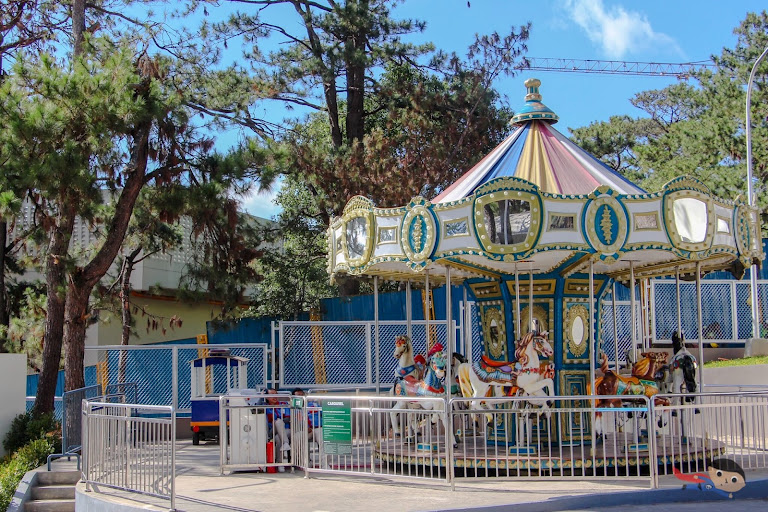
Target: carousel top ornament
x=540 y=202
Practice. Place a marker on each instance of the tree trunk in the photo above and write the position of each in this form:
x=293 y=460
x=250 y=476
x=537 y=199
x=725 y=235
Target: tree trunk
x=78 y=26
x=125 y=296
x=75 y=324
x=4 y=320
x=84 y=279
x=55 y=274
x=355 y=57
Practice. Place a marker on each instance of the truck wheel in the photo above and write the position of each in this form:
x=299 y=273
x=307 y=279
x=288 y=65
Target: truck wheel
x=195 y=438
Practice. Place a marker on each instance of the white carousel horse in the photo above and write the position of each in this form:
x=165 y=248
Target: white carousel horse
x=525 y=377
x=406 y=365
x=431 y=386
x=683 y=368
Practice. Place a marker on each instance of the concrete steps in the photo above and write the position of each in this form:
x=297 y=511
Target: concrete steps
x=53 y=492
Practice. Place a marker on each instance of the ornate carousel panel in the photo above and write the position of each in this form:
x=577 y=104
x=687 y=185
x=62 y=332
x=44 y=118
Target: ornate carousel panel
x=576 y=331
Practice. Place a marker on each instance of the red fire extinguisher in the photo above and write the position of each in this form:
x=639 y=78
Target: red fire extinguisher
x=271 y=457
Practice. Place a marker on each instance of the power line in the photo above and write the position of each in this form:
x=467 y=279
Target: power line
x=618 y=67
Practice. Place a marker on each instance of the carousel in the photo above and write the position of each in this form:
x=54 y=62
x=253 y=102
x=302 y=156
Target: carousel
x=538 y=233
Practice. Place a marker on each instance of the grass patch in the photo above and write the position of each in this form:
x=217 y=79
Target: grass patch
x=745 y=361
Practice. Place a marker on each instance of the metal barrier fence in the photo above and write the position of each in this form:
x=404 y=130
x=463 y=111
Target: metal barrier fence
x=562 y=439
x=162 y=373
x=565 y=438
x=713 y=425
x=344 y=354
x=130 y=447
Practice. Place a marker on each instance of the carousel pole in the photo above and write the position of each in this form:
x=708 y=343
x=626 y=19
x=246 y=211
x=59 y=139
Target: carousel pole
x=633 y=306
x=751 y=202
x=427 y=334
x=700 y=326
x=592 y=324
x=448 y=334
x=517 y=334
x=376 y=331
x=591 y=352
x=448 y=423
x=679 y=309
x=408 y=311
x=467 y=323
x=530 y=298
x=615 y=326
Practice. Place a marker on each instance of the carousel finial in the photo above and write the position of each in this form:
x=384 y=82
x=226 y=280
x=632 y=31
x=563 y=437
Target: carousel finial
x=534 y=109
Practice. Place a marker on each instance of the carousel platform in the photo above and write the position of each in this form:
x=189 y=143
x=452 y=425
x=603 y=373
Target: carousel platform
x=616 y=454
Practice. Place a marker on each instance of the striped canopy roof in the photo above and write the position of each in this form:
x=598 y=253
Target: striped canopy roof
x=538 y=153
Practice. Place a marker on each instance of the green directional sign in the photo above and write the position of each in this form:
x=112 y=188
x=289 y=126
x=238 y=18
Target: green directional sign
x=337 y=426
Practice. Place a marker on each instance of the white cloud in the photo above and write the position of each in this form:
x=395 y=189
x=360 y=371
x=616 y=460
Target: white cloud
x=262 y=204
x=617 y=31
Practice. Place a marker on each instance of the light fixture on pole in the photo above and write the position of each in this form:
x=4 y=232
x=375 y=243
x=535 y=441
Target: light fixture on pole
x=751 y=200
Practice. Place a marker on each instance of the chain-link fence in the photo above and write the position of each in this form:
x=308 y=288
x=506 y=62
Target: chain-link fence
x=344 y=354
x=726 y=310
x=616 y=329
x=162 y=373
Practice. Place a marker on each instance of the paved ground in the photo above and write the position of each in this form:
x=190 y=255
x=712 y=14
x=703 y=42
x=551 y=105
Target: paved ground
x=200 y=487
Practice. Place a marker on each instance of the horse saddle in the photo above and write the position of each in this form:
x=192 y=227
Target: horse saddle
x=490 y=365
x=489 y=370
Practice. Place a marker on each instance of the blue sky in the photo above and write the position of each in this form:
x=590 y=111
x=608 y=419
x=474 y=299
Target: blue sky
x=647 y=31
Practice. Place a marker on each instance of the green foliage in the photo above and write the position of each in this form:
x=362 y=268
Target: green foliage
x=25 y=332
x=294 y=262
x=29 y=427
x=29 y=457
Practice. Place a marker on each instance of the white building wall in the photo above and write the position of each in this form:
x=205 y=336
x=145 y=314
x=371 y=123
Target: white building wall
x=13 y=368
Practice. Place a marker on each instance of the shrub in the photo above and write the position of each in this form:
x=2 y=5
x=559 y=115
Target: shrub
x=29 y=427
x=27 y=458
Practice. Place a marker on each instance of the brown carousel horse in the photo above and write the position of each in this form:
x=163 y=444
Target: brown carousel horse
x=646 y=374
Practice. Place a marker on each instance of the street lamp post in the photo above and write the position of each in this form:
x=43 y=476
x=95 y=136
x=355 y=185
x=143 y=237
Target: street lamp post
x=751 y=199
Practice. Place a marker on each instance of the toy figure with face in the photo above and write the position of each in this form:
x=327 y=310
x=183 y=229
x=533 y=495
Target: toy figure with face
x=726 y=475
x=723 y=476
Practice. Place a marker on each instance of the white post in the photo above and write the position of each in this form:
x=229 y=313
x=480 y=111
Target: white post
x=592 y=347
x=427 y=334
x=615 y=327
x=408 y=311
x=757 y=238
x=376 y=332
x=679 y=310
x=174 y=378
x=633 y=307
x=700 y=326
x=466 y=321
x=448 y=418
x=517 y=334
x=530 y=299
x=448 y=336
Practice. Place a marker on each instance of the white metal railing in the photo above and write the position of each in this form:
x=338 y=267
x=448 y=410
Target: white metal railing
x=473 y=439
x=704 y=426
x=561 y=439
x=566 y=438
x=130 y=447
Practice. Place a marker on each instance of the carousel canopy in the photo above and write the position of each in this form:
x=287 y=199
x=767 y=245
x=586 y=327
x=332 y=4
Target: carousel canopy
x=540 y=204
x=538 y=153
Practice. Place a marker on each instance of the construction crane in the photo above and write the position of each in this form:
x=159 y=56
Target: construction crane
x=618 y=67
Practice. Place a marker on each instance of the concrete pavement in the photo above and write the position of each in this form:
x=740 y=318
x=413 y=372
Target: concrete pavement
x=200 y=487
